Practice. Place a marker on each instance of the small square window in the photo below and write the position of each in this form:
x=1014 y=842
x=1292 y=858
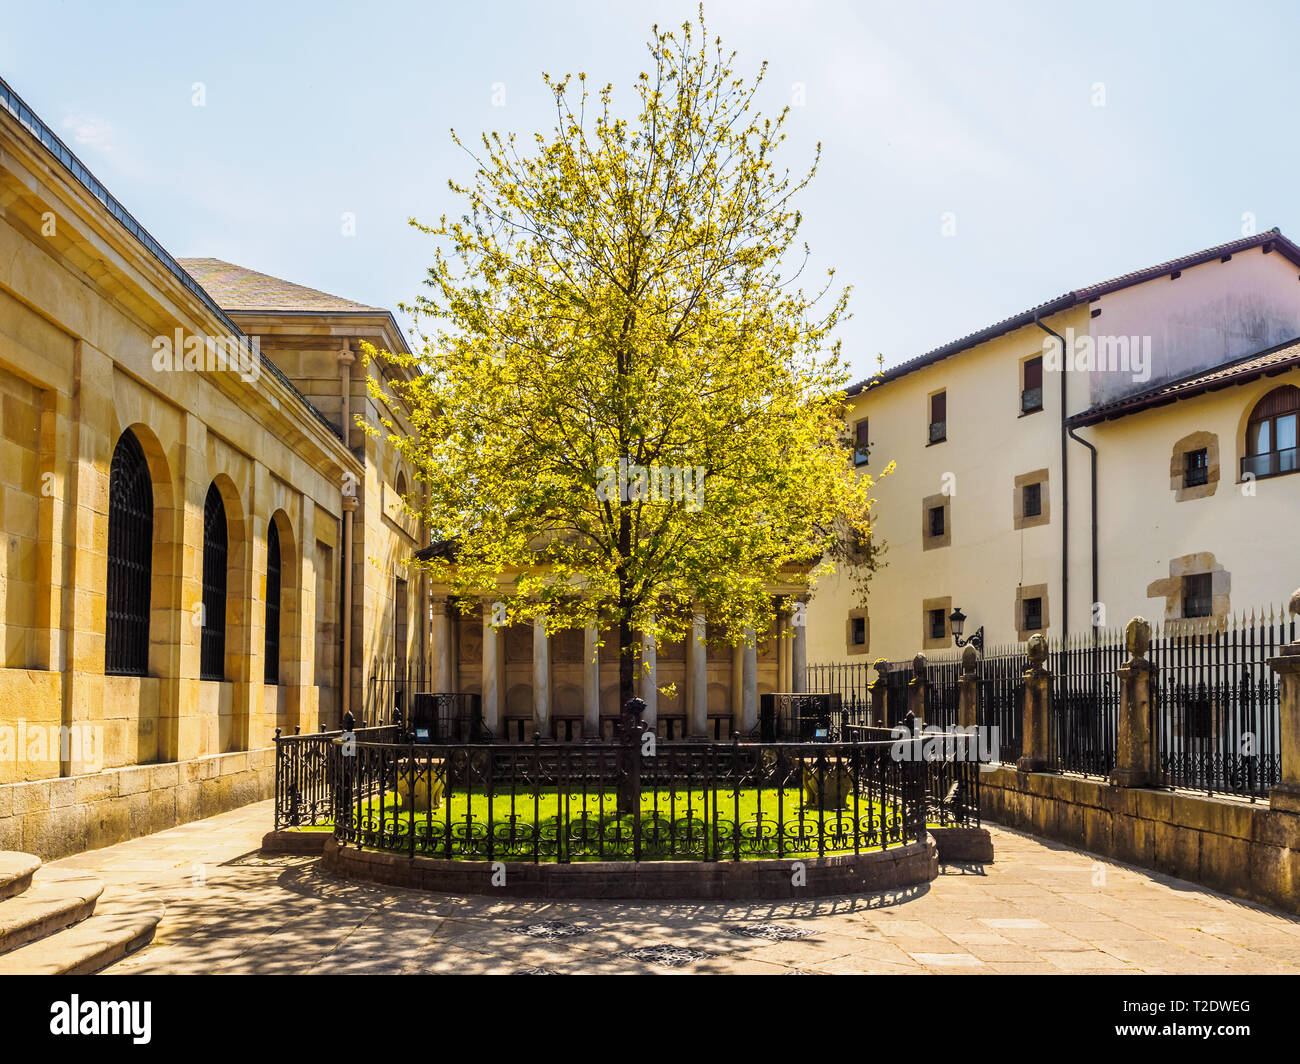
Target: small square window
x=938 y=624
x=1196 y=469
x=1198 y=595
x=858 y=627
x=936 y=521
x=1032 y=500
x=1033 y=614
x=861 y=443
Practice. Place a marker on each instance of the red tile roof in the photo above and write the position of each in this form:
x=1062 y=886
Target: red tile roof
x=1270 y=240
x=1265 y=364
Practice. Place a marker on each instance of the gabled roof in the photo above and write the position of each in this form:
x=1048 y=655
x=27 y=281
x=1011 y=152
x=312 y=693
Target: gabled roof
x=1268 y=363
x=1271 y=240
x=237 y=288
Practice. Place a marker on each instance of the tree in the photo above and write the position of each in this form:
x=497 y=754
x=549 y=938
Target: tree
x=624 y=413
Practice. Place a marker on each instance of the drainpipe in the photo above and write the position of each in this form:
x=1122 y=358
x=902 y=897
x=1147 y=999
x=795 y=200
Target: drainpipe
x=1065 y=492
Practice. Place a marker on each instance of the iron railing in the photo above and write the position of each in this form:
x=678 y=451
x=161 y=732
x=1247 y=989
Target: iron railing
x=1000 y=698
x=305 y=774
x=799 y=717
x=1215 y=704
x=692 y=800
x=1085 y=700
x=1271 y=463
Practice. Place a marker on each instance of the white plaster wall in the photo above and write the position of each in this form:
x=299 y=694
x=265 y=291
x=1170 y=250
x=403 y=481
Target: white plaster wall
x=1211 y=314
x=1142 y=527
x=988 y=445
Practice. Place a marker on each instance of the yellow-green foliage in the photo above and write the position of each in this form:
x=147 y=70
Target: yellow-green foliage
x=626 y=288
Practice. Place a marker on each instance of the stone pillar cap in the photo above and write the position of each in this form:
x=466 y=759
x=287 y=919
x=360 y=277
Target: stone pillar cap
x=1137 y=637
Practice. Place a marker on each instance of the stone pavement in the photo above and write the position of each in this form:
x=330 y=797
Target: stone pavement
x=1042 y=908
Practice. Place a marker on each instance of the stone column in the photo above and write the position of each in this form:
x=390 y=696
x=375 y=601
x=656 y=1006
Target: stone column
x=737 y=685
x=698 y=651
x=880 y=694
x=1285 y=796
x=1135 y=753
x=541 y=680
x=491 y=671
x=650 y=680
x=749 y=684
x=968 y=691
x=590 y=683
x=784 y=679
x=1036 y=753
x=441 y=644
x=917 y=687
x=799 y=652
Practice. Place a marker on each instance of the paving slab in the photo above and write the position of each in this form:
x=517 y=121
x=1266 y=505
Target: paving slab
x=1040 y=909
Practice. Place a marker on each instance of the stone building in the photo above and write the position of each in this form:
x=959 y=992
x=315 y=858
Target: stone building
x=197 y=546
x=1145 y=473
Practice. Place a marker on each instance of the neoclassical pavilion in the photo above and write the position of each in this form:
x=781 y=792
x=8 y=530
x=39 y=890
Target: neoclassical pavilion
x=564 y=684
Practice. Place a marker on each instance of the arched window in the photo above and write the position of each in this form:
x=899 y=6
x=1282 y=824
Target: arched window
x=273 y=604
x=1271 y=434
x=130 y=560
x=212 y=650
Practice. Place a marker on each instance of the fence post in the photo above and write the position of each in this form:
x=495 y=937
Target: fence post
x=916 y=689
x=968 y=688
x=1135 y=749
x=1285 y=795
x=1036 y=734
x=880 y=694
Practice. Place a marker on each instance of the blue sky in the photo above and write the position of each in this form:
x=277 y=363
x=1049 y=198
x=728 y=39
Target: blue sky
x=985 y=111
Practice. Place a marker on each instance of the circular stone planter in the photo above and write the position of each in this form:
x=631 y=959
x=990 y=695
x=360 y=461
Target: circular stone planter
x=810 y=877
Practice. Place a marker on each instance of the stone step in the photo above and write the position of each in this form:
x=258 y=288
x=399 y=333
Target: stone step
x=87 y=947
x=16 y=870
x=55 y=900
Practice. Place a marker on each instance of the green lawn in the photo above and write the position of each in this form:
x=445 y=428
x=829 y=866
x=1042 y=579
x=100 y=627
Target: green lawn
x=680 y=824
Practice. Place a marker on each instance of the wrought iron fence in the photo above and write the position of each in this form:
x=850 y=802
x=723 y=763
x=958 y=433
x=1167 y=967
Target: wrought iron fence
x=1000 y=696
x=304 y=774
x=1085 y=700
x=852 y=682
x=700 y=801
x=1215 y=713
x=1215 y=708
x=800 y=717
x=942 y=693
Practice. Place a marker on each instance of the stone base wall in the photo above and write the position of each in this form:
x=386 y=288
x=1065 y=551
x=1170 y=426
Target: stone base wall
x=57 y=817
x=1246 y=850
x=904 y=866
